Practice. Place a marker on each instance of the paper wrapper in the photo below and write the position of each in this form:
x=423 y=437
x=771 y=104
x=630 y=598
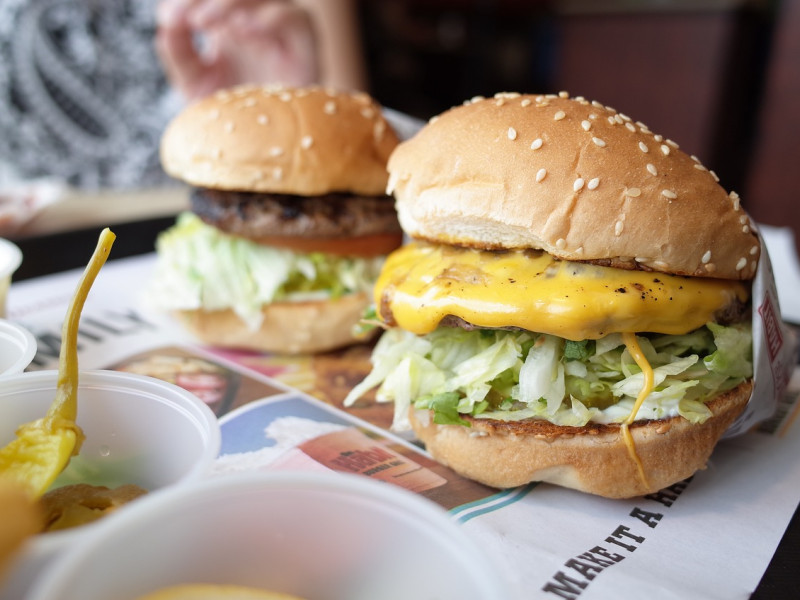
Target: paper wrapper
x=774 y=350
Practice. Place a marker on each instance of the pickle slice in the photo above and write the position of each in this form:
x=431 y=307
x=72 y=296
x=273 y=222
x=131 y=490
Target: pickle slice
x=43 y=448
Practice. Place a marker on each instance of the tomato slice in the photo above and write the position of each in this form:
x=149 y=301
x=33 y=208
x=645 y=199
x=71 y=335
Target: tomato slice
x=365 y=246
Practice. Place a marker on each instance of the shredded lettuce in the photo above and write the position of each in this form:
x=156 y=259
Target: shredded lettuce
x=514 y=375
x=199 y=267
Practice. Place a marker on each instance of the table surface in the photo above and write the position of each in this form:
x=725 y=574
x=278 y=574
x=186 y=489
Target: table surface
x=56 y=249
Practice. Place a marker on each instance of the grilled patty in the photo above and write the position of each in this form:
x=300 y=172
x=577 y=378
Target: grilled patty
x=255 y=215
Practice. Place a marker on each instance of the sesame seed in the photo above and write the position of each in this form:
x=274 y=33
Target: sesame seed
x=433 y=119
x=275 y=151
x=753 y=265
x=618 y=119
x=561 y=243
x=249 y=102
x=262 y=119
x=306 y=141
x=741 y=264
x=665 y=149
x=669 y=194
x=213 y=114
x=651 y=168
x=593 y=116
x=599 y=142
x=285 y=96
x=277 y=173
x=512 y=133
x=536 y=144
x=624 y=117
x=367 y=112
x=379 y=129
x=525 y=102
x=593 y=183
x=563 y=94
x=643 y=147
x=610 y=109
x=618 y=226
x=753 y=250
x=700 y=167
x=499 y=101
x=577 y=184
x=329 y=108
x=694 y=158
x=559 y=115
x=706 y=257
x=673 y=144
x=579 y=250
x=611 y=121
x=586 y=124
x=630 y=127
x=633 y=192
x=229 y=127
x=746 y=229
x=540 y=175
x=711 y=267
x=658 y=138
x=476 y=99
x=743 y=219
x=714 y=175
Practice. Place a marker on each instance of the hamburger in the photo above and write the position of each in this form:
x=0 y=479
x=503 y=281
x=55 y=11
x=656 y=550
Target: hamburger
x=289 y=221
x=574 y=306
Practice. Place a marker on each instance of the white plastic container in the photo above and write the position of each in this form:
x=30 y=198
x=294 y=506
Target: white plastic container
x=138 y=430
x=322 y=536
x=10 y=260
x=17 y=348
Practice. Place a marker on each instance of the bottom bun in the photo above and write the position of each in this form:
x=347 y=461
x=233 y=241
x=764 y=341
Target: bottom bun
x=591 y=459
x=287 y=327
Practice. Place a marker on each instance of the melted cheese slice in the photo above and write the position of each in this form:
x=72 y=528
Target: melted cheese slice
x=422 y=283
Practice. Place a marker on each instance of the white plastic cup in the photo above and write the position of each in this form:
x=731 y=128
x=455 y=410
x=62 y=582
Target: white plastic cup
x=316 y=535
x=10 y=260
x=17 y=348
x=149 y=432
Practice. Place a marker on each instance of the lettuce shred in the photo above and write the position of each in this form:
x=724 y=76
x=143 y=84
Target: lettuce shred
x=200 y=267
x=514 y=375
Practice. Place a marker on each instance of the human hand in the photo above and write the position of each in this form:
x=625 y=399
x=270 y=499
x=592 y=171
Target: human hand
x=241 y=41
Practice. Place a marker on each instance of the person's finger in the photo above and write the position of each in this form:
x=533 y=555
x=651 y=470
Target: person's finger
x=205 y=14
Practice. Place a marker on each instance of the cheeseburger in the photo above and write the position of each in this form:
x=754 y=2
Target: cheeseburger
x=575 y=304
x=289 y=221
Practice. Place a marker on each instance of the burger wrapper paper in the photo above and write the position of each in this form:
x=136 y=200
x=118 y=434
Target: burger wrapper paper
x=774 y=350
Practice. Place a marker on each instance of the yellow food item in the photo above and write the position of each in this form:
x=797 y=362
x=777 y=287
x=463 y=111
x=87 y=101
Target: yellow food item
x=81 y=503
x=44 y=447
x=577 y=301
x=20 y=518
x=203 y=591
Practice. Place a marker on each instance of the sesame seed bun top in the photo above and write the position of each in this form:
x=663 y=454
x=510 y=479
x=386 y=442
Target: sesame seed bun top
x=574 y=178
x=304 y=141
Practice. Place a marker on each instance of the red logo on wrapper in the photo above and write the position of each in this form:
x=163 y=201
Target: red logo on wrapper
x=773 y=336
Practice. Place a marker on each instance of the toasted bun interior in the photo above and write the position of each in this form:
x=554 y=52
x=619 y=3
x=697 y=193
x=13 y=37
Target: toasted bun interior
x=591 y=459
x=304 y=141
x=574 y=178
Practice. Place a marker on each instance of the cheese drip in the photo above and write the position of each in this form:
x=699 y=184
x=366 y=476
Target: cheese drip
x=420 y=284
x=647 y=386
